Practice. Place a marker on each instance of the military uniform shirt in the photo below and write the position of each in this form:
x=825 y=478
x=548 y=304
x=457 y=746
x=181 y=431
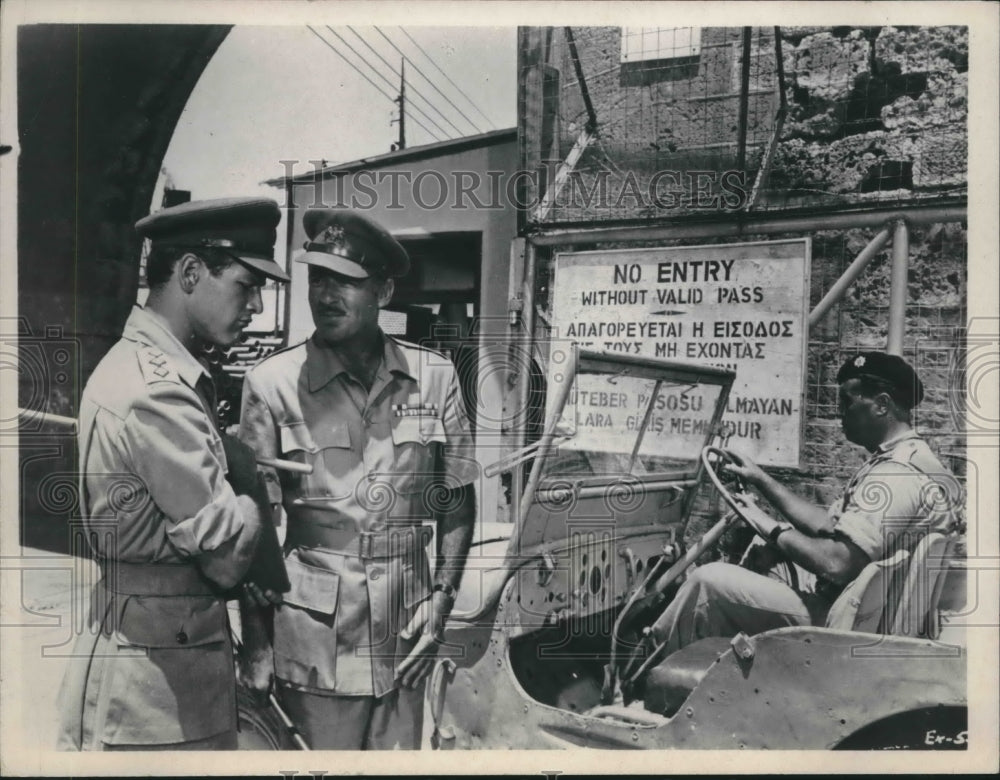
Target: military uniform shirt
x=901 y=493
x=145 y=423
x=153 y=669
x=382 y=459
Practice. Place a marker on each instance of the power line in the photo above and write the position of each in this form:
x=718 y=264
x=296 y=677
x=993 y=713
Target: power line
x=390 y=98
x=434 y=85
x=386 y=80
x=430 y=59
x=417 y=91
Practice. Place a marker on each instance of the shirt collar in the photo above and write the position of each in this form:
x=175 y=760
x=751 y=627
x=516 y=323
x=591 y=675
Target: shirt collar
x=323 y=365
x=890 y=444
x=145 y=326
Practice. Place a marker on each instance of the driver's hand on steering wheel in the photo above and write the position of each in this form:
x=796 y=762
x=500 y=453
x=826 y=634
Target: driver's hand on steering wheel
x=744 y=468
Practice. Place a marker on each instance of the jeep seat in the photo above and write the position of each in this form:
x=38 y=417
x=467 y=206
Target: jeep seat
x=866 y=604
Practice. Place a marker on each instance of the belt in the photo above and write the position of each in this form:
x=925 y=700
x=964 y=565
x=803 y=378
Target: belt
x=397 y=542
x=154 y=579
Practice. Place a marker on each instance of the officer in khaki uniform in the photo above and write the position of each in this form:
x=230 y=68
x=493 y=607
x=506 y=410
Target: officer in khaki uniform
x=167 y=500
x=383 y=424
x=901 y=493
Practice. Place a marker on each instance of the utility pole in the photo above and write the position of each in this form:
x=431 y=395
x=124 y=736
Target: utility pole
x=401 y=144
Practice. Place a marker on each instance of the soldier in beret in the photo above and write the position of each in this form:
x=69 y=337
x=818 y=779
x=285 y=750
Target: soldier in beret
x=383 y=425
x=901 y=493
x=170 y=506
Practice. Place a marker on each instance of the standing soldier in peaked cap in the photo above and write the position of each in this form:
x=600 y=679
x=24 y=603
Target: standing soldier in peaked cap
x=383 y=424
x=901 y=493
x=169 y=503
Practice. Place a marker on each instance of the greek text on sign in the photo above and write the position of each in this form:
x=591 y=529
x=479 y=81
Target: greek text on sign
x=741 y=306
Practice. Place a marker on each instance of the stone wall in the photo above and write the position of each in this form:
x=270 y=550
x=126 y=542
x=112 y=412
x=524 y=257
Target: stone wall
x=873 y=114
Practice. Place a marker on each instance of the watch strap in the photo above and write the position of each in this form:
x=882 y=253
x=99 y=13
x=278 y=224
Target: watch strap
x=778 y=530
x=446 y=589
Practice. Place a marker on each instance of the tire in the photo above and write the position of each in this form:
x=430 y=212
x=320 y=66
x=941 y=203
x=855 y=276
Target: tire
x=261 y=728
x=927 y=728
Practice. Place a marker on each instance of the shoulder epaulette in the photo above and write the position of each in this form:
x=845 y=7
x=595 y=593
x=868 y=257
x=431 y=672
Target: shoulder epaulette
x=281 y=351
x=904 y=451
x=417 y=347
x=156 y=366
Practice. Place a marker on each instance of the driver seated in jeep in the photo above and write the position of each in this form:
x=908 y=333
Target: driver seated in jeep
x=901 y=493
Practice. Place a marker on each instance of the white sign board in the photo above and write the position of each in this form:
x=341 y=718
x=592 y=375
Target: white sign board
x=741 y=306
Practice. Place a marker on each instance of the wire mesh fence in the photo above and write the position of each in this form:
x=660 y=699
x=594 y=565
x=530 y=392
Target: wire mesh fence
x=672 y=121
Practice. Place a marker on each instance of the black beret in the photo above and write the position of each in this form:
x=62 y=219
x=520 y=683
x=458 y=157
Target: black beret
x=350 y=244
x=244 y=228
x=909 y=390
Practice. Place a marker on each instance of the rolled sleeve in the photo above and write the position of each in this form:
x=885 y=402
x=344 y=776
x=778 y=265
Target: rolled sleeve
x=459 y=464
x=882 y=510
x=259 y=432
x=177 y=454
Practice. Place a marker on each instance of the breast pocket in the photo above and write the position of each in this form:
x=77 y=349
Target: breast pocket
x=327 y=448
x=417 y=442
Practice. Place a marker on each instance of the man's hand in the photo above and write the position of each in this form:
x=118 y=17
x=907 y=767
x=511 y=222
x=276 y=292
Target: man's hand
x=746 y=469
x=262 y=597
x=427 y=626
x=256 y=673
x=242 y=464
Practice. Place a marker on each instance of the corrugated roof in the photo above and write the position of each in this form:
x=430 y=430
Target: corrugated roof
x=452 y=146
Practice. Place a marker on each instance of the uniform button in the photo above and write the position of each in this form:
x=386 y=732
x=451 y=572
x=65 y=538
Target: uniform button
x=374 y=574
x=182 y=638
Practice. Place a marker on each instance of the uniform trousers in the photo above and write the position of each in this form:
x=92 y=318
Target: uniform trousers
x=390 y=722
x=722 y=599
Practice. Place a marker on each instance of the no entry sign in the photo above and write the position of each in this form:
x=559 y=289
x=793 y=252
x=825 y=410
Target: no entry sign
x=741 y=306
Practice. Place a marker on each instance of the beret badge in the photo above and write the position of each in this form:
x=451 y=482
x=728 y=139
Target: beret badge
x=859 y=361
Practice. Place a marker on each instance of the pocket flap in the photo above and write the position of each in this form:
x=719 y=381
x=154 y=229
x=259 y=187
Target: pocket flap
x=312 y=588
x=418 y=430
x=175 y=621
x=298 y=436
x=336 y=434
x=295 y=436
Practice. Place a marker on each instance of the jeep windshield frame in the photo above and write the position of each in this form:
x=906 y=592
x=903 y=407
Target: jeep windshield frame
x=625 y=447
x=579 y=362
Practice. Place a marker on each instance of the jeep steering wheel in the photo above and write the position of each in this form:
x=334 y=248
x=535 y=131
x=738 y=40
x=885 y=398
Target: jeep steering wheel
x=711 y=468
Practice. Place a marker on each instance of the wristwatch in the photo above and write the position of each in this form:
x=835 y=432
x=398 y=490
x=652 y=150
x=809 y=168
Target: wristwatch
x=446 y=589
x=778 y=529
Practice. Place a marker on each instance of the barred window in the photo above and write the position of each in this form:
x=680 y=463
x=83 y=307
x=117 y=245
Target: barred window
x=642 y=44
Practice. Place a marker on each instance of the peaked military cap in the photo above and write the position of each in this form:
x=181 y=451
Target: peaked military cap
x=350 y=244
x=244 y=228
x=909 y=390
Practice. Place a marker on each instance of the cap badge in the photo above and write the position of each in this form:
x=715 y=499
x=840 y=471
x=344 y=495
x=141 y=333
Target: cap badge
x=859 y=361
x=333 y=236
